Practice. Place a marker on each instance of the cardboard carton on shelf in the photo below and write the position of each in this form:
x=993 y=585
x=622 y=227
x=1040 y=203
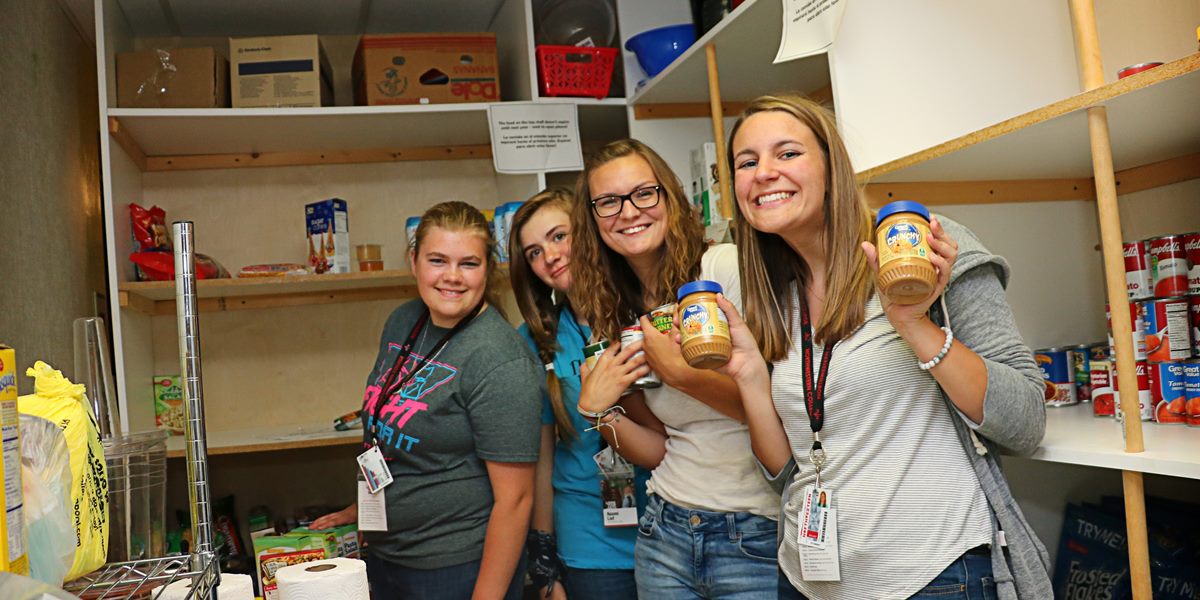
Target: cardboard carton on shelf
x=172 y=78
x=279 y=71
x=426 y=68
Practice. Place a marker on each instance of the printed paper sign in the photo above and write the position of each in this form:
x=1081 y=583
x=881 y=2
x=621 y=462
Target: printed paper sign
x=528 y=137
x=809 y=27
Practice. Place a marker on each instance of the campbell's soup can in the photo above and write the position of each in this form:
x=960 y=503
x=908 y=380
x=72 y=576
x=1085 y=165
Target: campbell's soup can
x=1103 y=394
x=1138 y=334
x=1191 y=390
x=1194 y=321
x=1058 y=371
x=1168 y=333
x=629 y=335
x=1137 y=271
x=1166 y=392
x=1145 y=398
x=1191 y=248
x=1168 y=266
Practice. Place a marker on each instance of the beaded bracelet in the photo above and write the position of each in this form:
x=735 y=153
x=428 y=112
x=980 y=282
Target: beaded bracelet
x=933 y=362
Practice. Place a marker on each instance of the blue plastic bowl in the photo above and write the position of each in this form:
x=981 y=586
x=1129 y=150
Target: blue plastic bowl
x=656 y=48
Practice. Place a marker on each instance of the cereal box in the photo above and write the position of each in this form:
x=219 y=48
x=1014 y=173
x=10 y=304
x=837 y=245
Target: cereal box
x=328 y=236
x=12 y=524
x=168 y=403
x=273 y=552
x=348 y=536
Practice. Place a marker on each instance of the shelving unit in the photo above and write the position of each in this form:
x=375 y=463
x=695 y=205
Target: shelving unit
x=1075 y=437
x=247 y=441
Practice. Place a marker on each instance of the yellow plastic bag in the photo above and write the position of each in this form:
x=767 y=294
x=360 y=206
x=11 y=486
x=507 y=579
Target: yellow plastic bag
x=61 y=402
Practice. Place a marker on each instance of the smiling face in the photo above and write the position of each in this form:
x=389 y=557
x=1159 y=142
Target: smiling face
x=546 y=245
x=780 y=177
x=451 y=271
x=634 y=233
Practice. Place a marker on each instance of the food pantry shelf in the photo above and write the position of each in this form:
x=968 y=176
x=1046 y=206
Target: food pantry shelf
x=1074 y=436
x=158 y=297
x=241 y=441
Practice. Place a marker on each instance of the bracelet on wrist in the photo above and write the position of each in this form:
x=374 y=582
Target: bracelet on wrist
x=933 y=362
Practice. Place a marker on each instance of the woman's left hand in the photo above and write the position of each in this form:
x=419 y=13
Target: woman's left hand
x=944 y=253
x=663 y=353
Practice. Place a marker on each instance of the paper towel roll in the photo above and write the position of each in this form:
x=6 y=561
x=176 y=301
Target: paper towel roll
x=332 y=579
x=233 y=587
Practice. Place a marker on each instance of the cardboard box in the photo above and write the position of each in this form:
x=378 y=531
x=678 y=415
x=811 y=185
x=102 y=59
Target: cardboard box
x=286 y=70
x=328 y=236
x=426 y=68
x=274 y=552
x=178 y=78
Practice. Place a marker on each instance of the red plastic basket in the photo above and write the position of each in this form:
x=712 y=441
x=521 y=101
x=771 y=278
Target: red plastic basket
x=575 y=70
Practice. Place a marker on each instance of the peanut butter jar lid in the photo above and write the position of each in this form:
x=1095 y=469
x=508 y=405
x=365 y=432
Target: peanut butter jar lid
x=702 y=285
x=901 y=206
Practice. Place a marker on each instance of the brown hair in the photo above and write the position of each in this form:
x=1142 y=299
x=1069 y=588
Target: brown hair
x=770 y=268
x=614 y=296
x=460 y=216
x=535 y=300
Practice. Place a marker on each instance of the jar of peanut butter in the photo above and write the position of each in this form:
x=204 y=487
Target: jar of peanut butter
x=906 y=274
x=704 y=335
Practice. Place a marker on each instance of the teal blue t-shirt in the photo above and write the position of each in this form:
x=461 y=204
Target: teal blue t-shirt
x=583 y=540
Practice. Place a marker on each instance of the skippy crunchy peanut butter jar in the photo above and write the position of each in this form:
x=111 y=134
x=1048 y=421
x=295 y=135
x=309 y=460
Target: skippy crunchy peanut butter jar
x=906 y=274
x=704 y=330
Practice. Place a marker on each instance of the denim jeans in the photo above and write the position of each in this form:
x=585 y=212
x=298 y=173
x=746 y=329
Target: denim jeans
x=968 y=578
x=390 y=581
x=687 y=554
x=599 y=584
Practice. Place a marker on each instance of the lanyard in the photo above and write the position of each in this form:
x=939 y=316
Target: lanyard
x=814 y=388
x=390 y=385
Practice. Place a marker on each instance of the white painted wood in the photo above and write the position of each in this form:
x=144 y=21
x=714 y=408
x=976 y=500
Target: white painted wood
x=516 y=188
x=513 y=26
x=1136 y=32
x=909 y=75
x=122 y=183
x=1075 y=436
x=636 y=16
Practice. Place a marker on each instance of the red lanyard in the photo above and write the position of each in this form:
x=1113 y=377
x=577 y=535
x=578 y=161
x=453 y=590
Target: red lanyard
x=814 y=387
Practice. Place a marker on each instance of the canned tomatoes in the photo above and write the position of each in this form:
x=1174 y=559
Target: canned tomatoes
x=1168 y=333
x=1168 y=266
x=1191 y=248
x=1058 y=370
x=1138 y=334
x=1191 y=390
x=1145 y=398
x=1103 y=396
x=1166 y=392
x=1137 y=271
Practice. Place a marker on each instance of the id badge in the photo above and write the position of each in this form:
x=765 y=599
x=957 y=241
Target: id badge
x=375 y=472
x=822 y=564
x=616 y=489
x=814 y=517
x=372 y=509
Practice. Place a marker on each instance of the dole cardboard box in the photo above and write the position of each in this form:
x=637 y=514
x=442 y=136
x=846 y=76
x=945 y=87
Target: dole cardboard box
x=283 y=70
x=426 y=68
x=179 y=78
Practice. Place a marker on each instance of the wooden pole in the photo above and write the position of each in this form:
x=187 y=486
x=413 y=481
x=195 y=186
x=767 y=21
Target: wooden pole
x=1087 y=49
x=714 y=102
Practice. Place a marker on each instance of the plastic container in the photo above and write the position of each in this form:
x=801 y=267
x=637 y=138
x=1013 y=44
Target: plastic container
x=906 y=274
x=137 y=477
x=657 y=48
x=704 y=334
x=572 y=71
x=576 y=23
x=370 y=257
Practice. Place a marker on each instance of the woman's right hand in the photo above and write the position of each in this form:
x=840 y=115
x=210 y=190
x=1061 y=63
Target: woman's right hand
x=345 y=516
x=616 y=369
x=746 y=363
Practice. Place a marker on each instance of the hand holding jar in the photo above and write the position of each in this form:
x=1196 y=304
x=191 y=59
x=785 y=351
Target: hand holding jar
x=911 y=262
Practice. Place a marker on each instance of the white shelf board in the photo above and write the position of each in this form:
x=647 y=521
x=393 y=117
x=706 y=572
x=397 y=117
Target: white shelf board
x=1075 y=436
x=1147 y=124
x=746 y=41
x=258 y=286
x=266 y=439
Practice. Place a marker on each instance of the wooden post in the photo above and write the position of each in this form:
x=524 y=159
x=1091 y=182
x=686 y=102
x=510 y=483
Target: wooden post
x=1087 y=49
x=714 y=101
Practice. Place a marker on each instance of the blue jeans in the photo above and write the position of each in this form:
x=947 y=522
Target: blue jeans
x=599 y=584
x=968 y=578
x=685 y=554
x=390 y=581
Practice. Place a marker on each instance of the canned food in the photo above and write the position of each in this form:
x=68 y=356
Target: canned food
x=1080 y=357
x=592 y=352
x=1137 y=271
x=629 y=335
x=1103 y=397
x=1168 y=334
x=1191 y=248
x=1191 y=390
x=663 y=317
x=1138 y=334
x=1135 y=69
x=1168 y=266
x=1057 y=366
x=1098 y=351
x=1166 y=392
x=1145 y=399
x=1194 y=319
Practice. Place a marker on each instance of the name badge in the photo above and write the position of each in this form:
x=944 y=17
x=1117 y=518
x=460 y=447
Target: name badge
x=372 y=509
x=375 y=472
x=616 y=489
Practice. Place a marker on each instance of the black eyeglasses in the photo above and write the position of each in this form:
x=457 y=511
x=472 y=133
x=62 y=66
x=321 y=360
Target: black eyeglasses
x=611 y=205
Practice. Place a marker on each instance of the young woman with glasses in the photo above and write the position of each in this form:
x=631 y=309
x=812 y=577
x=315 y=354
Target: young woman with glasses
x=708 y=530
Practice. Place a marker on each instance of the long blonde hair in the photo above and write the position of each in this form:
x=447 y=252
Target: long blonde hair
x=536 y=300
x=612 y=294
x=460 y=216
x=770 y=268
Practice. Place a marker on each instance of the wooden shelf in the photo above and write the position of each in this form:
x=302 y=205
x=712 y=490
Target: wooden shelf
x=158 y=297
x=241 y=441
x=745 y=43
x=1074 y=436
x=1154 y=116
